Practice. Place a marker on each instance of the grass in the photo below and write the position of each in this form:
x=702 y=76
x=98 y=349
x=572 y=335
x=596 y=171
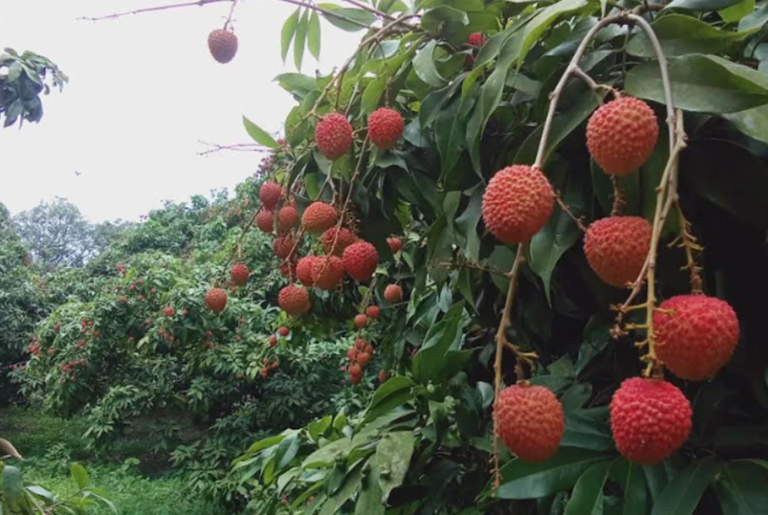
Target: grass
x=49 y=445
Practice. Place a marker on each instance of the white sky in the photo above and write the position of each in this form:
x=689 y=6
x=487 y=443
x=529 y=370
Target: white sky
x=143 y=91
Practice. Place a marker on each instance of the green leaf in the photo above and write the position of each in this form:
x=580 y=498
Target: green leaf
x=588 y=429
x=430 y=363
x=259 y=135
x=467 y=222
x=372 y=95
x=79 y=475
x=12 y=485
x=441 y=19
x=301 y=39
x=757 y=18
x=587 y=497
x=680 y=35
x=741 y=488
x=738 y=11
x=522 y=480
x=369 y=500
x=701 y=83
x=632 y=480
x=701 y=5
x=393 y=458
x=289 y=30
x=341 y=16
x=395 y=392
x=538 y=25
x=424 y=66
x=317 y=428
x=350 y=487
x=313 y=35
x=682 y=494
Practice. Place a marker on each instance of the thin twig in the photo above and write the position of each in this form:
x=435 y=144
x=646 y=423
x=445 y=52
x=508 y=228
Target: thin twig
x=567 y=210
x=236 y=147
x=196 y=3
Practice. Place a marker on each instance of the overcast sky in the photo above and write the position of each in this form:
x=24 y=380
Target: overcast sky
x=143 y=92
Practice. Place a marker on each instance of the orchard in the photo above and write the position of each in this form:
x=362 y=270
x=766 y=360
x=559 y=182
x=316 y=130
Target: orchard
x=508 y=258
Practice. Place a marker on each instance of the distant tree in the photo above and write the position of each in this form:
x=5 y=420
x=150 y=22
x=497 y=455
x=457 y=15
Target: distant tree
x=22 y=79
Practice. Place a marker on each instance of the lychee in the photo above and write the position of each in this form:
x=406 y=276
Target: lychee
x=319 y=217
x=265 y=221
x=216 y=299
x=355 y=370
x=650 y=419
x=617 y=247
x=361 y=321
x=517 y=203
x=283 y=246
x=529 y=420
x=287 y=218
x=272 y=341
x=363 y=359
x=355 y=378
x=621 y=135
x=283 y=331
x=352 y=353
x=383 y=376
x=239 y=274
x=395 y=244
x=361 y=260
x=269 y=194
x=361 y=344
x=294 y=300
x=327 y=272
x=373 y=312
x=393 y=293
x=304 y=270
x=334 y=136
x=344 y=239
x=222 y=45
x=168 y=312
x=476 y=39
x=385 y=127
x=695 y=335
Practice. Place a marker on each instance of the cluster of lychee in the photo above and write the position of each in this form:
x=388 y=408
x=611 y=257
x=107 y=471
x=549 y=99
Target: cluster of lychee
x=334 y=133
x=359 y=357
x=695 y=335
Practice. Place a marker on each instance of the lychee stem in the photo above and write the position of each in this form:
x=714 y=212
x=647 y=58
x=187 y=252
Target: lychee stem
x=566 y=209
x=618 y=198
x=689 y=242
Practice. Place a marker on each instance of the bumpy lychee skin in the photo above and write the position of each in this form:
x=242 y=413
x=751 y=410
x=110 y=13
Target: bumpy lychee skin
x=650 y=419
x=334 y=136
x=319 y=217
x=363 y=359
x=265 y=221
x=327 y=272
x=283 y=246
x=344 y=239
x=355 y=370
x=385 y=127
x=269 y=194
x=695 y=335
x=294 y=300
x=621 y=135
x=361 y=321
x=222 y=45
x=529 y=420
x=517 y=203
x=616 y=248
x=373 y=312
x=360 y=260
x=393 y=293
x=304 y=270
x=395 y=244
x=239 y=274
x=216 y=299
x=287 y=218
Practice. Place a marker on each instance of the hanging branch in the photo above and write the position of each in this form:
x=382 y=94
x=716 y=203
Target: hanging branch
x=236 y=147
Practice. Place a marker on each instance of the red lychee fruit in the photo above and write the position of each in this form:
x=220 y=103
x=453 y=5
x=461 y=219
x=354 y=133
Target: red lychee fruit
x=352 y=354
x=355 y=379
x=393 y=293
x=287 y=218
x=361 y=260
x=216 y=299
x=385 y=127
x=517 y=203
x=222 y=45
x=529 y=420
x=383 y=376
x=373 y=312
x=239 y=274
x=621 y=135
x=283 y=246
x=650 y=419
x=616 y=248
x=265 y=221
x=344 y=239
x=269 y=194
x=476 y=39
x=168 y=312
x=361 y=344
x=334 y=136
x=361 y=321
x=319 y=217
x=363 y=359
x=327 y=272
x=355 y=370
x=695 y=335
x=395 y=244
x=283 y=331
x=294 y=300
x=272 y=341
x=369 y=349
x=304 y=270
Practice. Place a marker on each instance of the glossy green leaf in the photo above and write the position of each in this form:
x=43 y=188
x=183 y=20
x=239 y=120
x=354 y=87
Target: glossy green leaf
x=738 y=11
x=313 y=35
x=350 y=487
x=467 y=225
x=588 y=429
x=435 y=21
x=587 y=497
x=395 y=392
x=702 y=83
x=369 y=501
x=680 y=35
x=632 y=481
x=741 y=488
x=259 y=135
x=372 y=95
x=300 y=39
x=682 y=494
x=351 y=20
x=289 y=30
x=701 y=5
x=542 y=21
x=758 y=18
x=79 y=475
x=393 y=458
x=424 y=66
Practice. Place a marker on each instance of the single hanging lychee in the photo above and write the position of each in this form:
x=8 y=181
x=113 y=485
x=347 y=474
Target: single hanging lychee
x=265 y=221
x=517 y=203
x=385 y=127
x=319 y=217
x=334 y=136
x=395 y=244
x=327 y=272
x=529 y=420
x=294 y=300
x=269 y=194
x=621 y=135
x=393 y=293
x=239 y=274
x=283 y=246
x=287 y=218
x=361 y=260
x=617 y=247
x=342 y=238
x=304 y=270
x=223 y=45
x=695 y=335
x=216 y=299
x=373 y=312
x=361 y=321
x=650 y=419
